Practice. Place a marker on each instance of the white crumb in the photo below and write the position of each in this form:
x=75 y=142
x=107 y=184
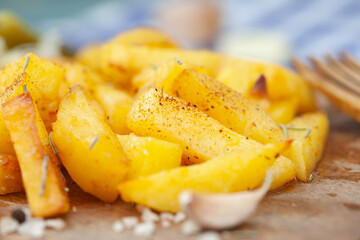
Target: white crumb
x=165 y=224
x=179 y=217
x=56 y=224
x=190 y=227
x=145 y=229
x=8 y=225
x=149 y=216
x=118 y=226
x=130 y=222
x=209 y=236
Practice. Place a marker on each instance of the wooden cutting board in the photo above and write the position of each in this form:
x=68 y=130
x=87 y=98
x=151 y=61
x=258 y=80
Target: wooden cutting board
x=327 y=208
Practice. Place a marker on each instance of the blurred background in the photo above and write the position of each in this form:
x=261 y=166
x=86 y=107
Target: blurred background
x=272 y=30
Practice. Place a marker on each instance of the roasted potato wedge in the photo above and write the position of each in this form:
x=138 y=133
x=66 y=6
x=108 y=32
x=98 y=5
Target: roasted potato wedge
x=116 y=104
x=149 y=155
x=163 y=72
x=227 y=106
x=43 y=183
x=89 y=149
x=145 y=36
x=10 y=175
x=42 y=79
x=281 y=111
x=79 y=74
x=231 y=172
x=131 y=60
x=241 y=75
x=158 y=115
x=309 y=132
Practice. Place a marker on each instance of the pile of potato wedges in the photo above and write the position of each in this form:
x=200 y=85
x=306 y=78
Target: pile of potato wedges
x=142 y=118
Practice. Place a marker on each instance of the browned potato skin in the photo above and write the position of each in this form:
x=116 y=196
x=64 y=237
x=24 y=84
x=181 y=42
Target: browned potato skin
x=30 y=138
x=227 y=106
x=10 y=175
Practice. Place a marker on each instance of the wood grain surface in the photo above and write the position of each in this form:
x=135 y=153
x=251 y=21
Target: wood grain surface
x=327 y=208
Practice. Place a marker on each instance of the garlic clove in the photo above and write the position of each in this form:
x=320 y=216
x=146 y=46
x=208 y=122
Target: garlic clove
x=223 y=211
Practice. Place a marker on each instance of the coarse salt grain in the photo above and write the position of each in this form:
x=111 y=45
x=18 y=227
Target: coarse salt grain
x=179 y=217
x=8 y=225
x=118 y=226
x=33 y=227
x=130 y=222
x=149 y=216
x=57 y=223
x=166 y=219
x=165 y=224
x=145 y=229
x=209 y=236
x=190 y=227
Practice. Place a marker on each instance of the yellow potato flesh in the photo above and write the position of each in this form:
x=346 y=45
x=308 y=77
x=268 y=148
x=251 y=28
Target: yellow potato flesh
x=89 y=149
x=307 y=151
x=232 y=172
x=31 y=145
x=149 y=155
x=10 y=175
x=116 y=104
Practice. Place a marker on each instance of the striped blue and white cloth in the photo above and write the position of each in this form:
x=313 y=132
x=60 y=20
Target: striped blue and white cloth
x=313 y=27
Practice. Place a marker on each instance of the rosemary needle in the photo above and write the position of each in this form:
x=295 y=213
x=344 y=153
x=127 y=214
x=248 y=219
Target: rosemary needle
x=24 y=88
x=178 y=60
x=307 y=133
x=26 y=64
x=44 y=174
x=96 y=139
x=52 y=145
x=296 y=128
x=283 y=127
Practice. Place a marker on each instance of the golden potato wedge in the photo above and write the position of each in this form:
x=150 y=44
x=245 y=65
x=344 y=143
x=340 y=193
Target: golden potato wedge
x=226 y=105
x=90 y=56
x=309 y=132
x=201 y=137
x=241 y=75
x=10 y=175
x=163 y=72
x=146 y=36
x=116 y=104
x=130 y=60
x=149 y=155
x=231 y=172
x=159 y=115
x=42 y=79
x=43 y=183
x=89 y=149
x=281 y=111
x=79 y=74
